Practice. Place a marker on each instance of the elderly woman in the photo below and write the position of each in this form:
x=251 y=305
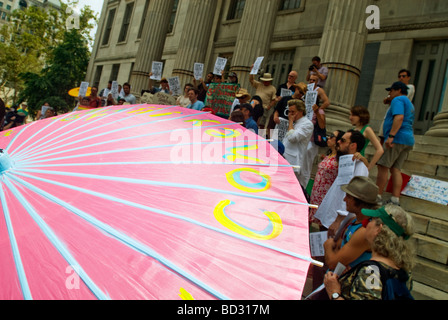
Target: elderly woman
x=388 y=231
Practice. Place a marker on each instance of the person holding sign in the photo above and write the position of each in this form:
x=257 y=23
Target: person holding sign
x=330 y=212
x=94 y=100
x=388 y=231
x=287 y=89
x=300 y=130
x=268 y=94
x=318 y=70
x=351 y=247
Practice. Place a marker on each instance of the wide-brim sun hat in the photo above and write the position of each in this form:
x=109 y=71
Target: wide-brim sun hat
x=362 y=188
x=267 y=77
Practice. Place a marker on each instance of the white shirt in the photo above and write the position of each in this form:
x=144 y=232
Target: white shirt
x=334 y=200
x=296 y=142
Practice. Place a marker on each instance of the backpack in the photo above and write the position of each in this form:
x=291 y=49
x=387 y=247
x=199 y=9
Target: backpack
x=393 y=281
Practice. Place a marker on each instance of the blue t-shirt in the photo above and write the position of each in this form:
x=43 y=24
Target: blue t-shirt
x=251 y=124
x=198 y=105
x=401 y=105
x=351 y=229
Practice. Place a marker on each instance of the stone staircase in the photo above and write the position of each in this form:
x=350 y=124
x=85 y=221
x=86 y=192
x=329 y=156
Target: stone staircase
x=428 y=159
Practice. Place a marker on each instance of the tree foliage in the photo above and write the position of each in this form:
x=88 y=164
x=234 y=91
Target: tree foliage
x=31 y=43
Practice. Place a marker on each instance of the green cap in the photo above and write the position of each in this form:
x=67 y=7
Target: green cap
x=387 y=219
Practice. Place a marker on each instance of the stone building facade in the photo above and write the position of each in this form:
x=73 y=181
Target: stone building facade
x=363 y=61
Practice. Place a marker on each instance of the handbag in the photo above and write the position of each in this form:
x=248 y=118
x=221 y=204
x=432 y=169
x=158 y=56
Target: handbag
x=320 y=136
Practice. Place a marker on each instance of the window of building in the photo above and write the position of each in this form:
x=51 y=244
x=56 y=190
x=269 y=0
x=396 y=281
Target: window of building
x=109 y=24
x=290 y=4
x=429 y=67
x=142 y=24
x=114 y=73
x=280 y=64
x=126 y=22
x=236 y=9
x=173 y=16
x=97 y=78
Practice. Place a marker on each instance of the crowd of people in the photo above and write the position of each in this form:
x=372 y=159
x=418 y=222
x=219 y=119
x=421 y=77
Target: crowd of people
x=364 y=230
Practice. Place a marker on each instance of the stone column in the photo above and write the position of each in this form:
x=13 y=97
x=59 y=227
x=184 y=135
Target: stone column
x=152 y=43
x=254 y=36
x=195 y=38
x=440 y=128
x=342 y=51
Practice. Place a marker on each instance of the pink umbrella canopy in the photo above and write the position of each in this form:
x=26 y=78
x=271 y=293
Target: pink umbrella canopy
x=148 y=202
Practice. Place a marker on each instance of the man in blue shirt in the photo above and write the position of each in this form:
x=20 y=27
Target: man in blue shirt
x=250 y=123
x=195 y=103
x=399 y=140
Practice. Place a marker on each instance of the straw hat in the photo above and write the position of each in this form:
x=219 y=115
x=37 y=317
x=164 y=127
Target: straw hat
x=242 y=93
x=267 y=77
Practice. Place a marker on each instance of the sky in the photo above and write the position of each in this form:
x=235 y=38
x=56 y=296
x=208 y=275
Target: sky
x=96 y=6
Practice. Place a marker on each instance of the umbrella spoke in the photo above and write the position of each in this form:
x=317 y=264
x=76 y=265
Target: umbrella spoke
x=172 y=215
x=154 y=183
x=125 y=239
x=107 y=141
x=44 y=142
x=52 y=237
x=15 y=249
x=121 y=150
x=238 y=164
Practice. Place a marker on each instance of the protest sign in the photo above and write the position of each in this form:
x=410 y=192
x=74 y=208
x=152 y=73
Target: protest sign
x=83 y=89
x=220 y=97
x=114 y=90
x=174 y=84
x=310 y=101
x=198 y=71
x=282 y=128
x=346 y=170
x=257 y=66
x=427 y=189
x=156 y=70
x=220 y=65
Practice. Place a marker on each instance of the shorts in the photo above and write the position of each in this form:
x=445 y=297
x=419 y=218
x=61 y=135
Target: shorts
x=395 y=157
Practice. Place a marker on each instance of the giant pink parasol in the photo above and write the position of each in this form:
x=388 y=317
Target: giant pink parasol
x=148 y=202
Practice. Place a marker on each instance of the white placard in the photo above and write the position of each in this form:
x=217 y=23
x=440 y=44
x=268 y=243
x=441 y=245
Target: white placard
x=317 y=240
x=198 y=71
x=174 y=84
x=286 y=93
x=310 y=101
x=114 y=90
x=340 y=268
x=220 y=65
x=257 y=65
x=157 y=70
x=83 y=89
x=282 y=128
x=346 y=170
x=427 y=189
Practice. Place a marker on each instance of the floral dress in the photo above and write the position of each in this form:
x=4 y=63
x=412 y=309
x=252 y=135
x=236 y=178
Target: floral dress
x=326 y=174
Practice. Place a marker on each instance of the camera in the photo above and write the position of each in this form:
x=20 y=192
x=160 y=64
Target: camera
x=312 y=67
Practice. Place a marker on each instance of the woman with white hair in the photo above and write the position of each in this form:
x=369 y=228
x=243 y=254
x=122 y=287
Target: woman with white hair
x=386 y=275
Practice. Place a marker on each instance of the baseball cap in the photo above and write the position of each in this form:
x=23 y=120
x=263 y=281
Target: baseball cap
x=397 y=86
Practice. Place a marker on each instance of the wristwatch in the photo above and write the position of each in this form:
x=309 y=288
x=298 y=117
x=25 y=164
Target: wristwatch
x=391 y=136
x=335 y=296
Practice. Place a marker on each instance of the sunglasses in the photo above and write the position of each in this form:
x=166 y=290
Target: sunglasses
x=402 y=76
x=331 y=136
